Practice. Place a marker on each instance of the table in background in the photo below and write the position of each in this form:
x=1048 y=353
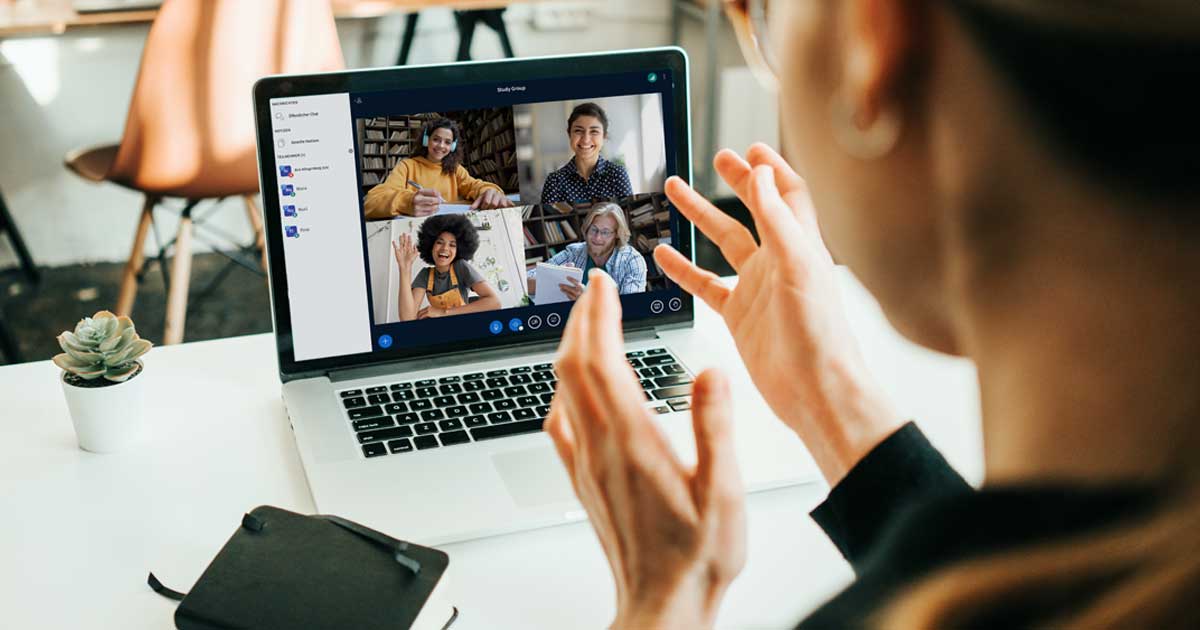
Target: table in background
x=80 y=531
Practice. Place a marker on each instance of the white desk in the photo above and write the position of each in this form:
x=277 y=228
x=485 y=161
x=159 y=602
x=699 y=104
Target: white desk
x=78 y=532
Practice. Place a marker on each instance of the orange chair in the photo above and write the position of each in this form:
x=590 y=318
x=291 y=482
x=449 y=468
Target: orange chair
x=190 y=129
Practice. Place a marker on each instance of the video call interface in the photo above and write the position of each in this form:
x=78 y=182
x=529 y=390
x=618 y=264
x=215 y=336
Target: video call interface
x=495 y=210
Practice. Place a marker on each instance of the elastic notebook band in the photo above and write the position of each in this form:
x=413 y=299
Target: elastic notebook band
x=163 y=590
x=397 y=547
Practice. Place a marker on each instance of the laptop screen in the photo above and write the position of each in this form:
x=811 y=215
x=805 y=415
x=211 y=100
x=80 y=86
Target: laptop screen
x=429 y=217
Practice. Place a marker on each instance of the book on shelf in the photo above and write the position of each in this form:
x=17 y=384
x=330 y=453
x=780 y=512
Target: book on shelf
x=370 y=179
x=372 y=162
x=397 y=149
x=370 y=148
x=373 y=134
x=569 y=230
x=530 y=239
x=528 y=212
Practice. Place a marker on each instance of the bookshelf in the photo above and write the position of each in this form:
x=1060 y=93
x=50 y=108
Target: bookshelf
x=550 y=228
x=489 y=147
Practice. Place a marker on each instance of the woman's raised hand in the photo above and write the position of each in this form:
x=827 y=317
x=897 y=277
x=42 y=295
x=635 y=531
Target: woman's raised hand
x=785 y=314
x=405 y=251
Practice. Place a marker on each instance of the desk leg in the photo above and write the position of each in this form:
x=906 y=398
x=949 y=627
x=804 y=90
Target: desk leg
x=410 y=32
x=8 y=344
x=181 y=275
x=18 y=244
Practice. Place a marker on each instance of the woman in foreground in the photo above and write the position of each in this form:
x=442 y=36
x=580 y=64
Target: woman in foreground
x=1016 y=181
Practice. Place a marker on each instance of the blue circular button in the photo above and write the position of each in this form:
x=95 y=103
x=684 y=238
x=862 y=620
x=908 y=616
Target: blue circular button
x=385 y=341
x=514 y=324
x=496 y=327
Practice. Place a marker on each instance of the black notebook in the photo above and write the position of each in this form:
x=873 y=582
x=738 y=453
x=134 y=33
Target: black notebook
x=286 y=570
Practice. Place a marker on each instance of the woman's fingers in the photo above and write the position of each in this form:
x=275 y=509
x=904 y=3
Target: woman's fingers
x=777 y=226
x=734 y=240
x=735 y=170
x=717 y=476
x=559 y=429
x=699 y=282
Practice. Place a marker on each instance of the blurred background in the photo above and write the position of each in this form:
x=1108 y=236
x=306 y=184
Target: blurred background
x=67 y=76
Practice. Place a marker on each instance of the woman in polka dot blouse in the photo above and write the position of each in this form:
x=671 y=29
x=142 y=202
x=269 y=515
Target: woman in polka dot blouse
x=587 y=177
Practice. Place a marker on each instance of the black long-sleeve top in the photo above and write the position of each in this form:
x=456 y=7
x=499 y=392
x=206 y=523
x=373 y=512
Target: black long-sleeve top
x=902 y=513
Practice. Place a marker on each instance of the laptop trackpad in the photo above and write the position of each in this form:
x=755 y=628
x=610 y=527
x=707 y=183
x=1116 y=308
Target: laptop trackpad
x=534 y=477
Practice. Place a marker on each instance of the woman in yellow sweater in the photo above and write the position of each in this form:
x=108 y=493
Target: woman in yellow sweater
x=432 y=176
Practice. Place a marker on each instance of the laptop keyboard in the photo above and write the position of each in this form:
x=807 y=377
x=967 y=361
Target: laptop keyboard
x=472 y=406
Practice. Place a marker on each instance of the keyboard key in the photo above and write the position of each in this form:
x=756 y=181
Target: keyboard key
x=492 y=394
x=475 y=421
x=661 y=359
x=400 y=446
x=672 y=392
x=395 y=408
x=521 y=370
x=456 y=411
x=480 y=407
x=379 y=399
x=542 y=410
x=427 y=382
x=656 y=351
x=407 y=418
x=522 y=414
x=468 y=398
x=499 y=417
x=498 y=381
x=538 y=388
x=528 y=401
x=543 y=366
x=425 y=428
x=498 y=373
x=661 y=409
x=503 y=430
x=366 y=412
x=450 y=379
x=357 y=401
x=650 y=372
x=427 y=392
x=635 y=363
x=452 y=388
x=647 y=384
x=473 y=376
x=505 y=404
x=445 y=401
x=403 y=395
x=374 y=450
x=369 y=424
x=450 y=425
x=455 y=437
x=349 y=393
x=384 y=434
x=399 y=386
x=474 y=386
x=633 y=354
x=426 y=441
x=420 y=405
x=542 y=377
x=514 y=391
x=432 y=414
x=546 y=398
x=671 y=381
x=520 y=379
x=674 y=368
x=680 y=404
x=381 y=389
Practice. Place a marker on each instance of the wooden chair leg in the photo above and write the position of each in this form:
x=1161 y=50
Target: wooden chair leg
x=181 y=273
x=255 y=216
x=133 y=266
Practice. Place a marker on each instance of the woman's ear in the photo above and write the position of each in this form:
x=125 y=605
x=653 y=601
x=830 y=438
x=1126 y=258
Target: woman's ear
x=880 y=45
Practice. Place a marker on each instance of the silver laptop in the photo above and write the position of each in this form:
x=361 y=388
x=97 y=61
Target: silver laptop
x=415 y=344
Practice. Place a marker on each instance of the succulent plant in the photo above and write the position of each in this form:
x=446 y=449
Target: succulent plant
x=102 y=345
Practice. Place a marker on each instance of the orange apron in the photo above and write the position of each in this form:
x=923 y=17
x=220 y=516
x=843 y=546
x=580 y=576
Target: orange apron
x=448 y=300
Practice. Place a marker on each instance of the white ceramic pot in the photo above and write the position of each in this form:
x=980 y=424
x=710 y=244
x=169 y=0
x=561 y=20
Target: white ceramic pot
x=107 y=419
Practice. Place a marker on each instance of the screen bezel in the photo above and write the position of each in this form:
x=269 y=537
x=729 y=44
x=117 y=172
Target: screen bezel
x=357 y=81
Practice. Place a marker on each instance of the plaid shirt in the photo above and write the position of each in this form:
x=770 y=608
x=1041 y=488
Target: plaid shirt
x=608 y=181
x=626 y=266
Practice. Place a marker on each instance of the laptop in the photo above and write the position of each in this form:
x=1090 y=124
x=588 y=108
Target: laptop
x=417 y=390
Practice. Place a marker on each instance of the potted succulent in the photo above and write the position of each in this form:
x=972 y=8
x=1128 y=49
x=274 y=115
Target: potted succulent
x=101 y=360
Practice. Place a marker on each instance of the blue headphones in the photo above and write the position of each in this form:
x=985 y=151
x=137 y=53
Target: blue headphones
x=425 y=141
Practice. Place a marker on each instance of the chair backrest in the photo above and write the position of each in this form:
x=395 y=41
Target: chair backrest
x=190 y=128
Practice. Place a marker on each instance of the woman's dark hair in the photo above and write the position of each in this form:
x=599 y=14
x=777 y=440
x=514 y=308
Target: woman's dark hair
x=1111 y=102
x=588 y=109
x=452 y=159
x=465 y=236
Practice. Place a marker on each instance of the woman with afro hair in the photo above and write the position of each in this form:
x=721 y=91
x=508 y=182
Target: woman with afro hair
x=447 y=242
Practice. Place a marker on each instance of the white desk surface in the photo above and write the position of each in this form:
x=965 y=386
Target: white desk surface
x=79 y=532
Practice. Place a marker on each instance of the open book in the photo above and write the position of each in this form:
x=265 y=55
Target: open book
x=549 y=277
